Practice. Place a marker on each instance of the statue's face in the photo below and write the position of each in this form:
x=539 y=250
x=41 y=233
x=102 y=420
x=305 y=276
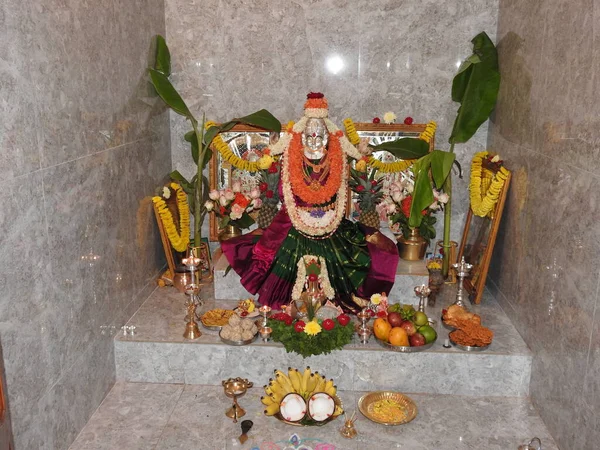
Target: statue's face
x=315 y=137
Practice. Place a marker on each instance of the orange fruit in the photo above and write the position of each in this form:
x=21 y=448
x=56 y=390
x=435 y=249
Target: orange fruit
x=399 y=337
x=381 y=328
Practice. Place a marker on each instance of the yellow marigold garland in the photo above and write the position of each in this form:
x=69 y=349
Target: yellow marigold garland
x=429 y=132
x=179 y=239
x=229 y=156
x=483 y=203
x=351 y=131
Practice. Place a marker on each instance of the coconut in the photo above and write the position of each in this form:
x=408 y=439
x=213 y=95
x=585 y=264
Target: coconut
x=292 y=407
x=321 y=406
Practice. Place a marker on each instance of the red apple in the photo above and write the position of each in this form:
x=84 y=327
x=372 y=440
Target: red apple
x=416 y=340
x=395 y=319
x=409 y=327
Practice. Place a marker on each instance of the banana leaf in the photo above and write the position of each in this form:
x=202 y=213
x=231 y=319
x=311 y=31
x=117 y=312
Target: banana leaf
x=404 y=148
x=475 y=87
x=261 y=119
x=163 y=56
x=169 y=94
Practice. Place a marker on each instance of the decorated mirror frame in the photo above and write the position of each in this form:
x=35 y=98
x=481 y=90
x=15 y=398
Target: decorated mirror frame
x=477 y=244
x=221 y=172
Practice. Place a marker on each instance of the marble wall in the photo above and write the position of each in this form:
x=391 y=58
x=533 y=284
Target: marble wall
x=82 y=146
x=545 y=270
x=234 y=57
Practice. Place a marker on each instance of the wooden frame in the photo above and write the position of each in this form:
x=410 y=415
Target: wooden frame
x=478 y=250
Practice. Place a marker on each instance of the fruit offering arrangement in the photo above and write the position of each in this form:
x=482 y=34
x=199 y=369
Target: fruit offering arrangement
x=306 y=398
x=403 y=327
x=469 y=332
x=216 y=317
x=313 y=337
x=246 y=308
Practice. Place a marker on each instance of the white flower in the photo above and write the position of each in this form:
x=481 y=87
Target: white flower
x=376 y=299
x=434 y=206
x=255 y=193
x=397 y=196
x=389 y=117
x=223 y=201
x=496 y=158
x=236 y=187
x=166 y=192
x=214 y=195
x=257 y=203
x=236 y=212
x=209 y=205
x=391 y=208
x=229 y=194
x=443 y=198
x=409 y=188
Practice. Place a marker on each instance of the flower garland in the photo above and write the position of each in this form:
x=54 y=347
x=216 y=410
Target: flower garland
x=325 y=192
x=237 y=162
x=429 y=132
x=301 y=277
x=179 y=240
x=351 y=132
x=483 y=203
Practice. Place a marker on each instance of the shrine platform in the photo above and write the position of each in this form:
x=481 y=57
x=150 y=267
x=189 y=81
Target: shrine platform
x=158 y=353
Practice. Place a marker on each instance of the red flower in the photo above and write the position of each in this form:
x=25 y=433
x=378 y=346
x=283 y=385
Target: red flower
x=263 y=186
x=273 y=168
x=405 y=205
x=360 y=188
x=376 y=120
x=343 y=319
x=299 y=326
x=288 y=320
x=315 y=95
x=222 y=210
x=244 y=313
x=371 y=313
x=328 y=324
x=241 y=199
x=374 y=182
x=408 y=121
x=313 y=277
x=269 y=194
x=381 y=314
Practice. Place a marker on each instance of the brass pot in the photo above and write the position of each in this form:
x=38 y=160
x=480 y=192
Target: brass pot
x=183 y=277
x=229 y=232
x=413 y=248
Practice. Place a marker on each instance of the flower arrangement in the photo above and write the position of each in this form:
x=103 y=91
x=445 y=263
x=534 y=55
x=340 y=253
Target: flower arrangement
x=232 y=206
x=398 y=208
x=314 y=337
x=178 y=239
x=312 y=268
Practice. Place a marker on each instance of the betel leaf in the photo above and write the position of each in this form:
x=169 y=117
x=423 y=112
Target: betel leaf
x=441 y=164
x=163 y=56
x=169 y=94
x=404 y=148
x=475 y=87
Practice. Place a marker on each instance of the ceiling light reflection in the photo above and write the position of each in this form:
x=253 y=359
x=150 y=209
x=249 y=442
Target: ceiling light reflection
x=334 y=64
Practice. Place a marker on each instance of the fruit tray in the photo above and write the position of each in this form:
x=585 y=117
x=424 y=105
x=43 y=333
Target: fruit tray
x=403 y=349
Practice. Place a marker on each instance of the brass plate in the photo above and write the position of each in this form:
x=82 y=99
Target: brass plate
x=366 y=402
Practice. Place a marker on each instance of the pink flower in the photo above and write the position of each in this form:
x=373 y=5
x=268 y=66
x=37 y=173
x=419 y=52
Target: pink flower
x=255 y=193
x=223 y=201
x=257 y=203
x=236 y=212
x=213 y=195
x=237 y=186
x=229 y=194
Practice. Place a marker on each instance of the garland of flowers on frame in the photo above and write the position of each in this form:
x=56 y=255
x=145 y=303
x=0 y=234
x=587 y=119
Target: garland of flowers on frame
x=179 y=239
x=301 y=282
x=482 y=203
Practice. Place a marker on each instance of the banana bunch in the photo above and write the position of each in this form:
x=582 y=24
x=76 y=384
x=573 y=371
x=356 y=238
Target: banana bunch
x=306 y=384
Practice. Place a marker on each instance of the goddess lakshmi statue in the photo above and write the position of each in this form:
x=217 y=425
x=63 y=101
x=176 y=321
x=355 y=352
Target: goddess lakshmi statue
x=359 y=261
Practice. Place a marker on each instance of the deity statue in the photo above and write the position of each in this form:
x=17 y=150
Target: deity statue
x=359 y=260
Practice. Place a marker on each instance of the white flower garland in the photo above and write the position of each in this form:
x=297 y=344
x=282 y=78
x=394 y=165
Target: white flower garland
x=346 y=145
x=301 y=281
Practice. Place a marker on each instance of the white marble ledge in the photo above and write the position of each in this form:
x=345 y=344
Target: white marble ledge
x=171 y=416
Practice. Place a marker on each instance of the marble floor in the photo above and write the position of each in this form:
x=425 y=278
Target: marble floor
x=175 y=416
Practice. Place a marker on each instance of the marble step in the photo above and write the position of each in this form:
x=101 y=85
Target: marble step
x=158 y=353
x=408 y=275
x=140 y=416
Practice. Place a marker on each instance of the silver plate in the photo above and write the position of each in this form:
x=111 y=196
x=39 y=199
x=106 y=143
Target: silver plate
x=238 y=343
x=213 y=328
x=402 y=349
x=468 y=348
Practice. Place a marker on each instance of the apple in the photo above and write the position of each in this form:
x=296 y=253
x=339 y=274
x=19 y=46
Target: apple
x=409 y=327
x=395 y=319
x=416 y=340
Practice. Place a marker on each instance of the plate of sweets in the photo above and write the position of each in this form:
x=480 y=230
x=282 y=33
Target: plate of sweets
x=247 y=308
x=215 y=319
x=468 y=334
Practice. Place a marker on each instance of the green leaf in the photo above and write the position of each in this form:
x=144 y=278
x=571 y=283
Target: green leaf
x=175 y=175
x=422 y=196
x=441 y=164
x=163 y=56
x=224 y=221
x=244 y=222
x=211 y=133
x=227 y=270
x=404 y=148
x=169 y=94
x=475 y=87
x=261 y=119
x=191 y=137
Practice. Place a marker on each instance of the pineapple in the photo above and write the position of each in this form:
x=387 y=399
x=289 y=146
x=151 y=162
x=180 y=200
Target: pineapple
x=370 y=194
x=266 y=215
x=269 y=194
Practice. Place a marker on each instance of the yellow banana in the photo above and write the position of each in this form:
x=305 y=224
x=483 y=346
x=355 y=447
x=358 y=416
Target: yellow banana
x=267 y=400
x=276 y=394
x=320 y=387
x=277 y=389
x=312 y=383
x=330 y=388
x=294 y=377
x=304 y=384
x=338 y=410
x=271 y=410
x=284 y=381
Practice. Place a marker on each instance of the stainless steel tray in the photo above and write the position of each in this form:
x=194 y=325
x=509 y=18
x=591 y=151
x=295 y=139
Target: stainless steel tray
x=238 y=343
x=402 y=349
x=468 y=348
